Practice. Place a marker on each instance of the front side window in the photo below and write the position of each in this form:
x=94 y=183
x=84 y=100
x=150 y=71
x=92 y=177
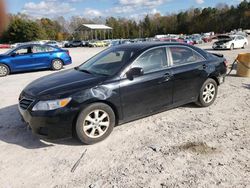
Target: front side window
x=108 y=62
x=23 y=51
x=183 y=55
x=151 y=61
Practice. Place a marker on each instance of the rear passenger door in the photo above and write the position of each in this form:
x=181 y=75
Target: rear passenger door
x=41 y=56
x=189 y=73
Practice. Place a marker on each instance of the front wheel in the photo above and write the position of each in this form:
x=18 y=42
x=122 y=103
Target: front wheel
x=208 y=93
x=4 y=70
x=232 y=47
x=95 y=123
x=57 y=64
x=244 y=46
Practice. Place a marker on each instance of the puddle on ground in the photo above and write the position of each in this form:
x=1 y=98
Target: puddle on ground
x=197 y=147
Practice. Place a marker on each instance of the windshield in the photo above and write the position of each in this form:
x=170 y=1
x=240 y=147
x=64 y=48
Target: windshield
x=108 y=62
x=9 y=51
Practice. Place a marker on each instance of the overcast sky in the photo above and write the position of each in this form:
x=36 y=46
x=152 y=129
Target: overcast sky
x=95 y=8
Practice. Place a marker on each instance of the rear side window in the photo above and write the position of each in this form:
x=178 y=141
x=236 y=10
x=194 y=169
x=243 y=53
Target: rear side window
x=41 y=49
x=183 y=55
x=152 y=61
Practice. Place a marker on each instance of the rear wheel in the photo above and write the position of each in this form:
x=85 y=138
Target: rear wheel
x=4 y=70
x=208 y=93
x=95 y=123
x=57 y=64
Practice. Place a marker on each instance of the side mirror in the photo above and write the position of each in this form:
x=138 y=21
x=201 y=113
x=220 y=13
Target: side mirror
x=134 y=72
x=13 y=55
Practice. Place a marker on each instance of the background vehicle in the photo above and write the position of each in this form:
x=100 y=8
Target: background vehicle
x=118 y=85
x=230 y=42
x=172 y=40
x=74 y=43
x=189 y=41
x=5 y=46
x=55 y=44
x=197 y=40
x=15 y=45
x=33 y=57
x=207 y=39
x=115 y=43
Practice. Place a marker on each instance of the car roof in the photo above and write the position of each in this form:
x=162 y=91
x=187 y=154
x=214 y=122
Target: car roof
x=143 y=46
x=29 y=45
x=148 y=45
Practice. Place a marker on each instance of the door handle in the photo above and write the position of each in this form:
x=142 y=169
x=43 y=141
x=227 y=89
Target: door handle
x=204 y=66
x=166 y=77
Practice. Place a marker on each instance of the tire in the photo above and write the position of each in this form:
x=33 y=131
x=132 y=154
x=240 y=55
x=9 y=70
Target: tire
x=208 y=93
x=96 y=129
x=57 y=64
x=232 y=47
x=4 y=70
x=244 y=46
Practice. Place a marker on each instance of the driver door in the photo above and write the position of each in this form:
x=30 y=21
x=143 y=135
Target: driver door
x=151 y=91
x=22 y=58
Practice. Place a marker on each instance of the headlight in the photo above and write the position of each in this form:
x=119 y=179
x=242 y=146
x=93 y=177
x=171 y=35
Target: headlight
x=51 y=104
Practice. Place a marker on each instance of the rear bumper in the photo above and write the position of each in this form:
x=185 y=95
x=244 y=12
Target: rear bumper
x=49 y=125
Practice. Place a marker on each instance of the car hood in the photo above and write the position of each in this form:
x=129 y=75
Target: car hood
x=59 y=84
x=223 y=41
x=2 y=56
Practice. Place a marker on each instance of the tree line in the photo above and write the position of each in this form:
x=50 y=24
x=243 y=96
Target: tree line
x=219 y=19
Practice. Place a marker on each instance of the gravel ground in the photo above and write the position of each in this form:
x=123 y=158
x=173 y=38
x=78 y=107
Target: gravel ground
x=183 y=147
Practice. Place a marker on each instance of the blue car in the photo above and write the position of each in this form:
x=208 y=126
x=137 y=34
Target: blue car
x=33 y=57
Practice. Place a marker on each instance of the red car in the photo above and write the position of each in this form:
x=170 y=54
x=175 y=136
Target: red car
x=4 y=46
x=207 y=39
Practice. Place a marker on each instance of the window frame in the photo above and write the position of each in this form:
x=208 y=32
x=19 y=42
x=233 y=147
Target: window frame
x=164 y=47
x=44 y=46
x=187 y=47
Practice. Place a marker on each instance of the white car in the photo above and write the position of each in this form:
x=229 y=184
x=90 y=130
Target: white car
x=15 y=45
x=230 y=42
x=55 y=44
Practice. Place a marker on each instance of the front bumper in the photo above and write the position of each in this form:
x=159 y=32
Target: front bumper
x=50 y=124
x=220 y=46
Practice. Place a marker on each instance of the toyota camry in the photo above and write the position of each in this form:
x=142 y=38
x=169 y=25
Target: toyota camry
x=118 y=85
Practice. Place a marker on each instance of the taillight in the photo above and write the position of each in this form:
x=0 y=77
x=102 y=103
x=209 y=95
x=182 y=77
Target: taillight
x=226 y=63
x=67 y=52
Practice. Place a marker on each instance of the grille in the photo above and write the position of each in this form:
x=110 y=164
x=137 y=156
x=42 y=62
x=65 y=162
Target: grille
x=25 y=103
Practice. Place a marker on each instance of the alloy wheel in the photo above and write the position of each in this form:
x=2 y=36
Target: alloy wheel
x=96 y=124
x=57 y=64
x=3 y=71
x=209 y=93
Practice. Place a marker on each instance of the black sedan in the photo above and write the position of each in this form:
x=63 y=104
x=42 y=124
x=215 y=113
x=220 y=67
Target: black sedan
x=118 y=85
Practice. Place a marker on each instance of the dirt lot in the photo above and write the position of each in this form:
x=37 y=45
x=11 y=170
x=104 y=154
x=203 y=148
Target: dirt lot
x=183 y=147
